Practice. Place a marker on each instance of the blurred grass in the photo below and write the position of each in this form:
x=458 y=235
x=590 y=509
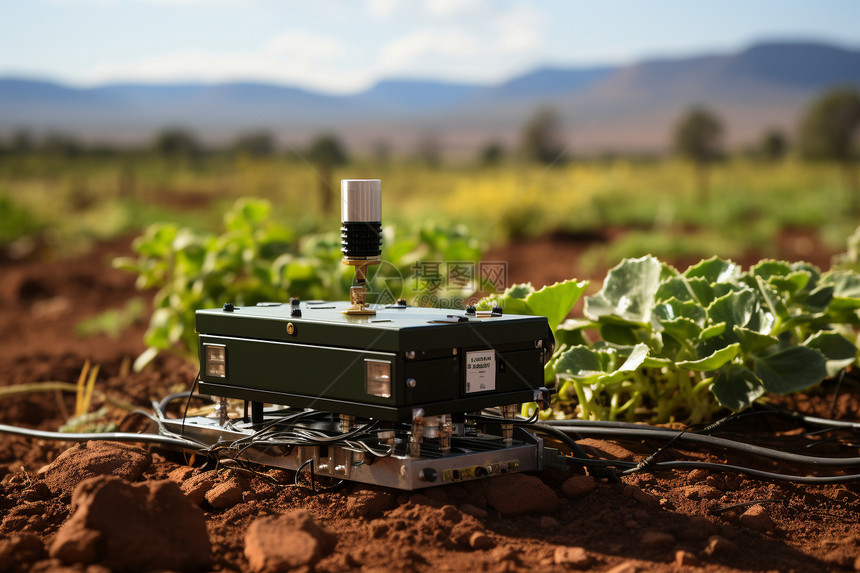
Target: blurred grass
x=72 y=202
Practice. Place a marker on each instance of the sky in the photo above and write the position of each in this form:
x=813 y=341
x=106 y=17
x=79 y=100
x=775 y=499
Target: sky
x=345 y=47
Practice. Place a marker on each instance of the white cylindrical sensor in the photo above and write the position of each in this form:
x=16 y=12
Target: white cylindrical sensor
x=361 y=216
x=361 y=200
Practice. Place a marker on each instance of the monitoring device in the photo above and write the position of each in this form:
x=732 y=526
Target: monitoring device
x=394 y=395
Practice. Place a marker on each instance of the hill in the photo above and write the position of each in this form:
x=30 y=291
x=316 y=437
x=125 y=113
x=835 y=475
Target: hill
x=624 y=108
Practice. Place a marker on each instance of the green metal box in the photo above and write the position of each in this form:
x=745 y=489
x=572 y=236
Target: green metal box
x=381 y=366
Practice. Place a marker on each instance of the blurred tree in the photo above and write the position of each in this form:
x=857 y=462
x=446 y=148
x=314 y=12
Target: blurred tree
x=542 y=137
x=327 y=152
x=773 y=146
x=176 y=143
x=255 y=144
x=60 y=144
x=429 y=151
x=22 y=142
x=698 y=137
x=491 y=154
x=829 y=131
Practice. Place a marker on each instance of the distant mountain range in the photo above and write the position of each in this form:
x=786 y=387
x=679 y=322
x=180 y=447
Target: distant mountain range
x=628 y=107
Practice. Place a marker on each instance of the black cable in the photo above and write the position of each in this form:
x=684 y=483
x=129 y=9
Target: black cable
x=313 y=488
x=111 y=436
x=649 y=462
x=187 y=403
x=542 y=426
x=309 y=461
x=839 y=380
x=162 y=406
x=757 y=473
x=620 y=433
x=689 y=465
x=815 y=421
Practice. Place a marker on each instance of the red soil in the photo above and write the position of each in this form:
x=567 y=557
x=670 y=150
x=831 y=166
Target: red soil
x=665 y=521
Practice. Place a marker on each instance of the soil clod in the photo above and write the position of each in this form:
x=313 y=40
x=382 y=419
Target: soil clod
x=287 y=542
x=517 y=494
x=92 y=459
x=132 y=527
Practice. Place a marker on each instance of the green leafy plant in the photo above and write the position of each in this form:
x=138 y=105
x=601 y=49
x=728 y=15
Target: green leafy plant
x=554 y=302
x=850 y=259
x=15 y=221
x=257 y=260
x=114 y=321
x=682 y=345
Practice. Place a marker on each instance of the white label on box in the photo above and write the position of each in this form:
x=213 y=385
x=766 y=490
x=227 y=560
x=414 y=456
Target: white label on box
x=480 y=371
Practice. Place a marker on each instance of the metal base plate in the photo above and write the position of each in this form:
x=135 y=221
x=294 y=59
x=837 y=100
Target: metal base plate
x=471 y=457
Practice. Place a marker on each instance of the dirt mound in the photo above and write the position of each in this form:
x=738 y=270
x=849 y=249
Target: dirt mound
x=91 y=459
x=133 y=527
x=286 y=542
x=517 y=494
x=17 y=553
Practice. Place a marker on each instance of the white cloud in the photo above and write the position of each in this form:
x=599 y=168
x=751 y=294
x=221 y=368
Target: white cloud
x=426 y=44
x=483 y=46
x=295 y=57
x=519 y=28
x=468 y=40
x=457 y=8
x=383 y=8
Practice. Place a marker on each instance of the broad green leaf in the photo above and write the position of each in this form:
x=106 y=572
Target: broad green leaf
x=674 y=287
x=519 y=291
x=156 y=240
x=554 y=301
x=713 y=361
x=622 y=334
x=657 y=362
x=735 y=308
x=715 y=270
x=768 y=268
x=838 y=350
x=722 y=289
x=793 y=369
x=634 y=360
x=736 y=388
x=674 y=308
x=583 y=363
x=247 y=214
x=752 y=341
x=792 y=283
x=761 y=320
x=682 y=328
x=820 y=298
x=702 y=290
x=570 y=332
x=628 y=292
x=713 y=331
x=550 y=368
x=846 y=290
x=814 y=271
x=771 y=298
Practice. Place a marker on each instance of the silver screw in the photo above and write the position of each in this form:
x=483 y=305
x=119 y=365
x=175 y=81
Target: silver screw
x=411 y=383
x=410 y=354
